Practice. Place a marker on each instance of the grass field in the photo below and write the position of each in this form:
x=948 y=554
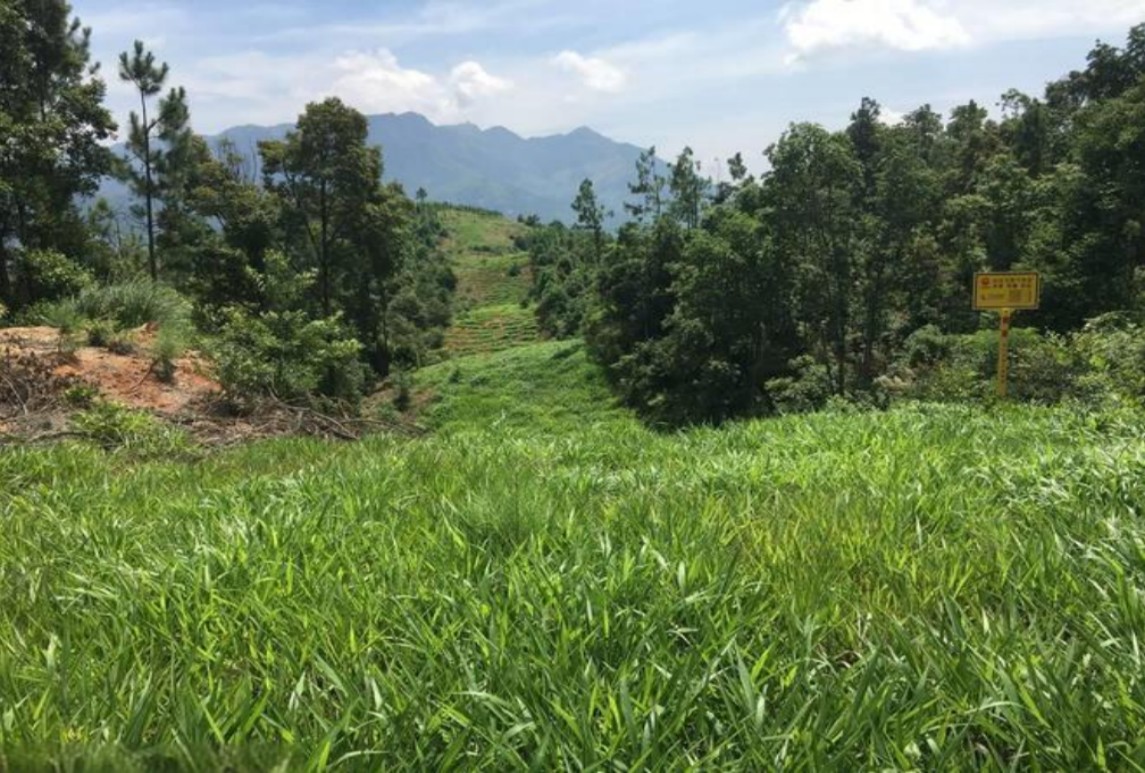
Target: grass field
x=932 y=588
x=493 y=280
x=491 y=329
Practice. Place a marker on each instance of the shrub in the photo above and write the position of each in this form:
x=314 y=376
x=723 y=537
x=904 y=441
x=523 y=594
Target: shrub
x=81 y=395
x=1112 y=349
x=287 y=356
x=808 y=389
x=1102 y=362
x=132 y=304
x=114 y=427
x=99 y=332
x=47 y=275
x=170 y=344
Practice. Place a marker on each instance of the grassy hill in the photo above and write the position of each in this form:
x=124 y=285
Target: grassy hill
x=543 y=583
x=934 y=588
x=493 y=281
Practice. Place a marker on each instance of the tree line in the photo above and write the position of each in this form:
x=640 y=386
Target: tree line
x=311 y=263
x=721 y=300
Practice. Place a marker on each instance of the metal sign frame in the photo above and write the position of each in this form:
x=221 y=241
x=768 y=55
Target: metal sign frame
x=1012 y=301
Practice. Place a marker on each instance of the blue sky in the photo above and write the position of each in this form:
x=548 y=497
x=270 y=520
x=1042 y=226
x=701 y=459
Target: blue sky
x=721 y=75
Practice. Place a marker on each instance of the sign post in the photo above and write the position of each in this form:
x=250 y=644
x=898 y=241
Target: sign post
x=1006 y=292
x=1004 y=352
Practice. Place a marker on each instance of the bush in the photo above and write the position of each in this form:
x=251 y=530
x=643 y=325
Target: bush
x=115 y=427
x=133 y=304
x=1112 y=350
x=807 y=389
x=1103 y=362
x=288 y=356
x=46 y=275
x=99 y=332
x=170 y=344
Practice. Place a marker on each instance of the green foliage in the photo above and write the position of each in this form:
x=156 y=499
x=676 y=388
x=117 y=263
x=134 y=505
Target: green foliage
x=1112 y=352
x=114 y=428
x=709 y=307
x=1104 y=363
x=547 y=387
x=55 y=132
x=99 y=332
x=341 y=222
x=170 y=344
x=288 y=356
x=81 y=396
x=938 y=588
x=47 y=275
x=809 y=387
x=132 y=304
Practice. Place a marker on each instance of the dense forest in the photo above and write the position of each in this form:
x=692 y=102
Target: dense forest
x=845 y=270
x=316 y=279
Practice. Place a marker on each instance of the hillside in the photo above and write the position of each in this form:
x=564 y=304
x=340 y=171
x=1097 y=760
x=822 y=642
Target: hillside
x=493 y=281
x=463 y=164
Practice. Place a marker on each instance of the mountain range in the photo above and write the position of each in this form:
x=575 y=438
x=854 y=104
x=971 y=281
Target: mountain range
x=489 y=168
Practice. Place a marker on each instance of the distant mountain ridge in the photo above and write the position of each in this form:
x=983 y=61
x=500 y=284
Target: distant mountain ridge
x=490 y=168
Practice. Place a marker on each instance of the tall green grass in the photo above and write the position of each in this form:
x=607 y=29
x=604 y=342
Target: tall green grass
x=549 y=387
x=128 y=305
x=934 y=588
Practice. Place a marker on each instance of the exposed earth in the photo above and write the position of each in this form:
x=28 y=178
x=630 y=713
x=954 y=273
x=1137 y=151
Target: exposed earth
x=129 y=379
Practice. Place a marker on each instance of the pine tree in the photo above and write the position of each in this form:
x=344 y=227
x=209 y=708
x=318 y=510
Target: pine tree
x=140 y=70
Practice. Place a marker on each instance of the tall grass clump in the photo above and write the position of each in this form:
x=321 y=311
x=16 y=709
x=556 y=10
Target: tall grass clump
x=133 y=304
x=934 y=588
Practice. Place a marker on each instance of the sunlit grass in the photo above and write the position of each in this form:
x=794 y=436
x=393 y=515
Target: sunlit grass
x=549 y=387
x=933 y=588
x=491 y=329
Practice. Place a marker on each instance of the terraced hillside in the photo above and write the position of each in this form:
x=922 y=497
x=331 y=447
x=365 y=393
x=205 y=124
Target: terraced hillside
x=493 y=281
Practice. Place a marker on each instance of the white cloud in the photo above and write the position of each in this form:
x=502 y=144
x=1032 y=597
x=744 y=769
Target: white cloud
x=891 y=117
x=906 y=25
x=470 y=81
x=1028 y=19
x=376 y=82
x=817 y=26
x=595 y=72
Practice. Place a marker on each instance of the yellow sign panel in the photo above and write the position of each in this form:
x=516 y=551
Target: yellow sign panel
x=1006 y=290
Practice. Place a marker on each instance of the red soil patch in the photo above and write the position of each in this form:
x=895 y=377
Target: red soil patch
x=128 y=379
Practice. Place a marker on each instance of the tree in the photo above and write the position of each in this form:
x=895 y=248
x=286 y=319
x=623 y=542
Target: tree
x=53 y=126
x=343 y=223
x=811 y=193
x=590 y=217
x=865 y=133
x=688 y=189
x=140 y=70
x=181 y=230
x=649 y=186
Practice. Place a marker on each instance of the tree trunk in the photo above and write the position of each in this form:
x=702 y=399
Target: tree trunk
x=324 y=250
x=151 y=263
x=5 y=280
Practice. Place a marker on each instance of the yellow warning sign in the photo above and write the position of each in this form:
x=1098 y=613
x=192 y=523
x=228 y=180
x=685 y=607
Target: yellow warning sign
x=1006 y=290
